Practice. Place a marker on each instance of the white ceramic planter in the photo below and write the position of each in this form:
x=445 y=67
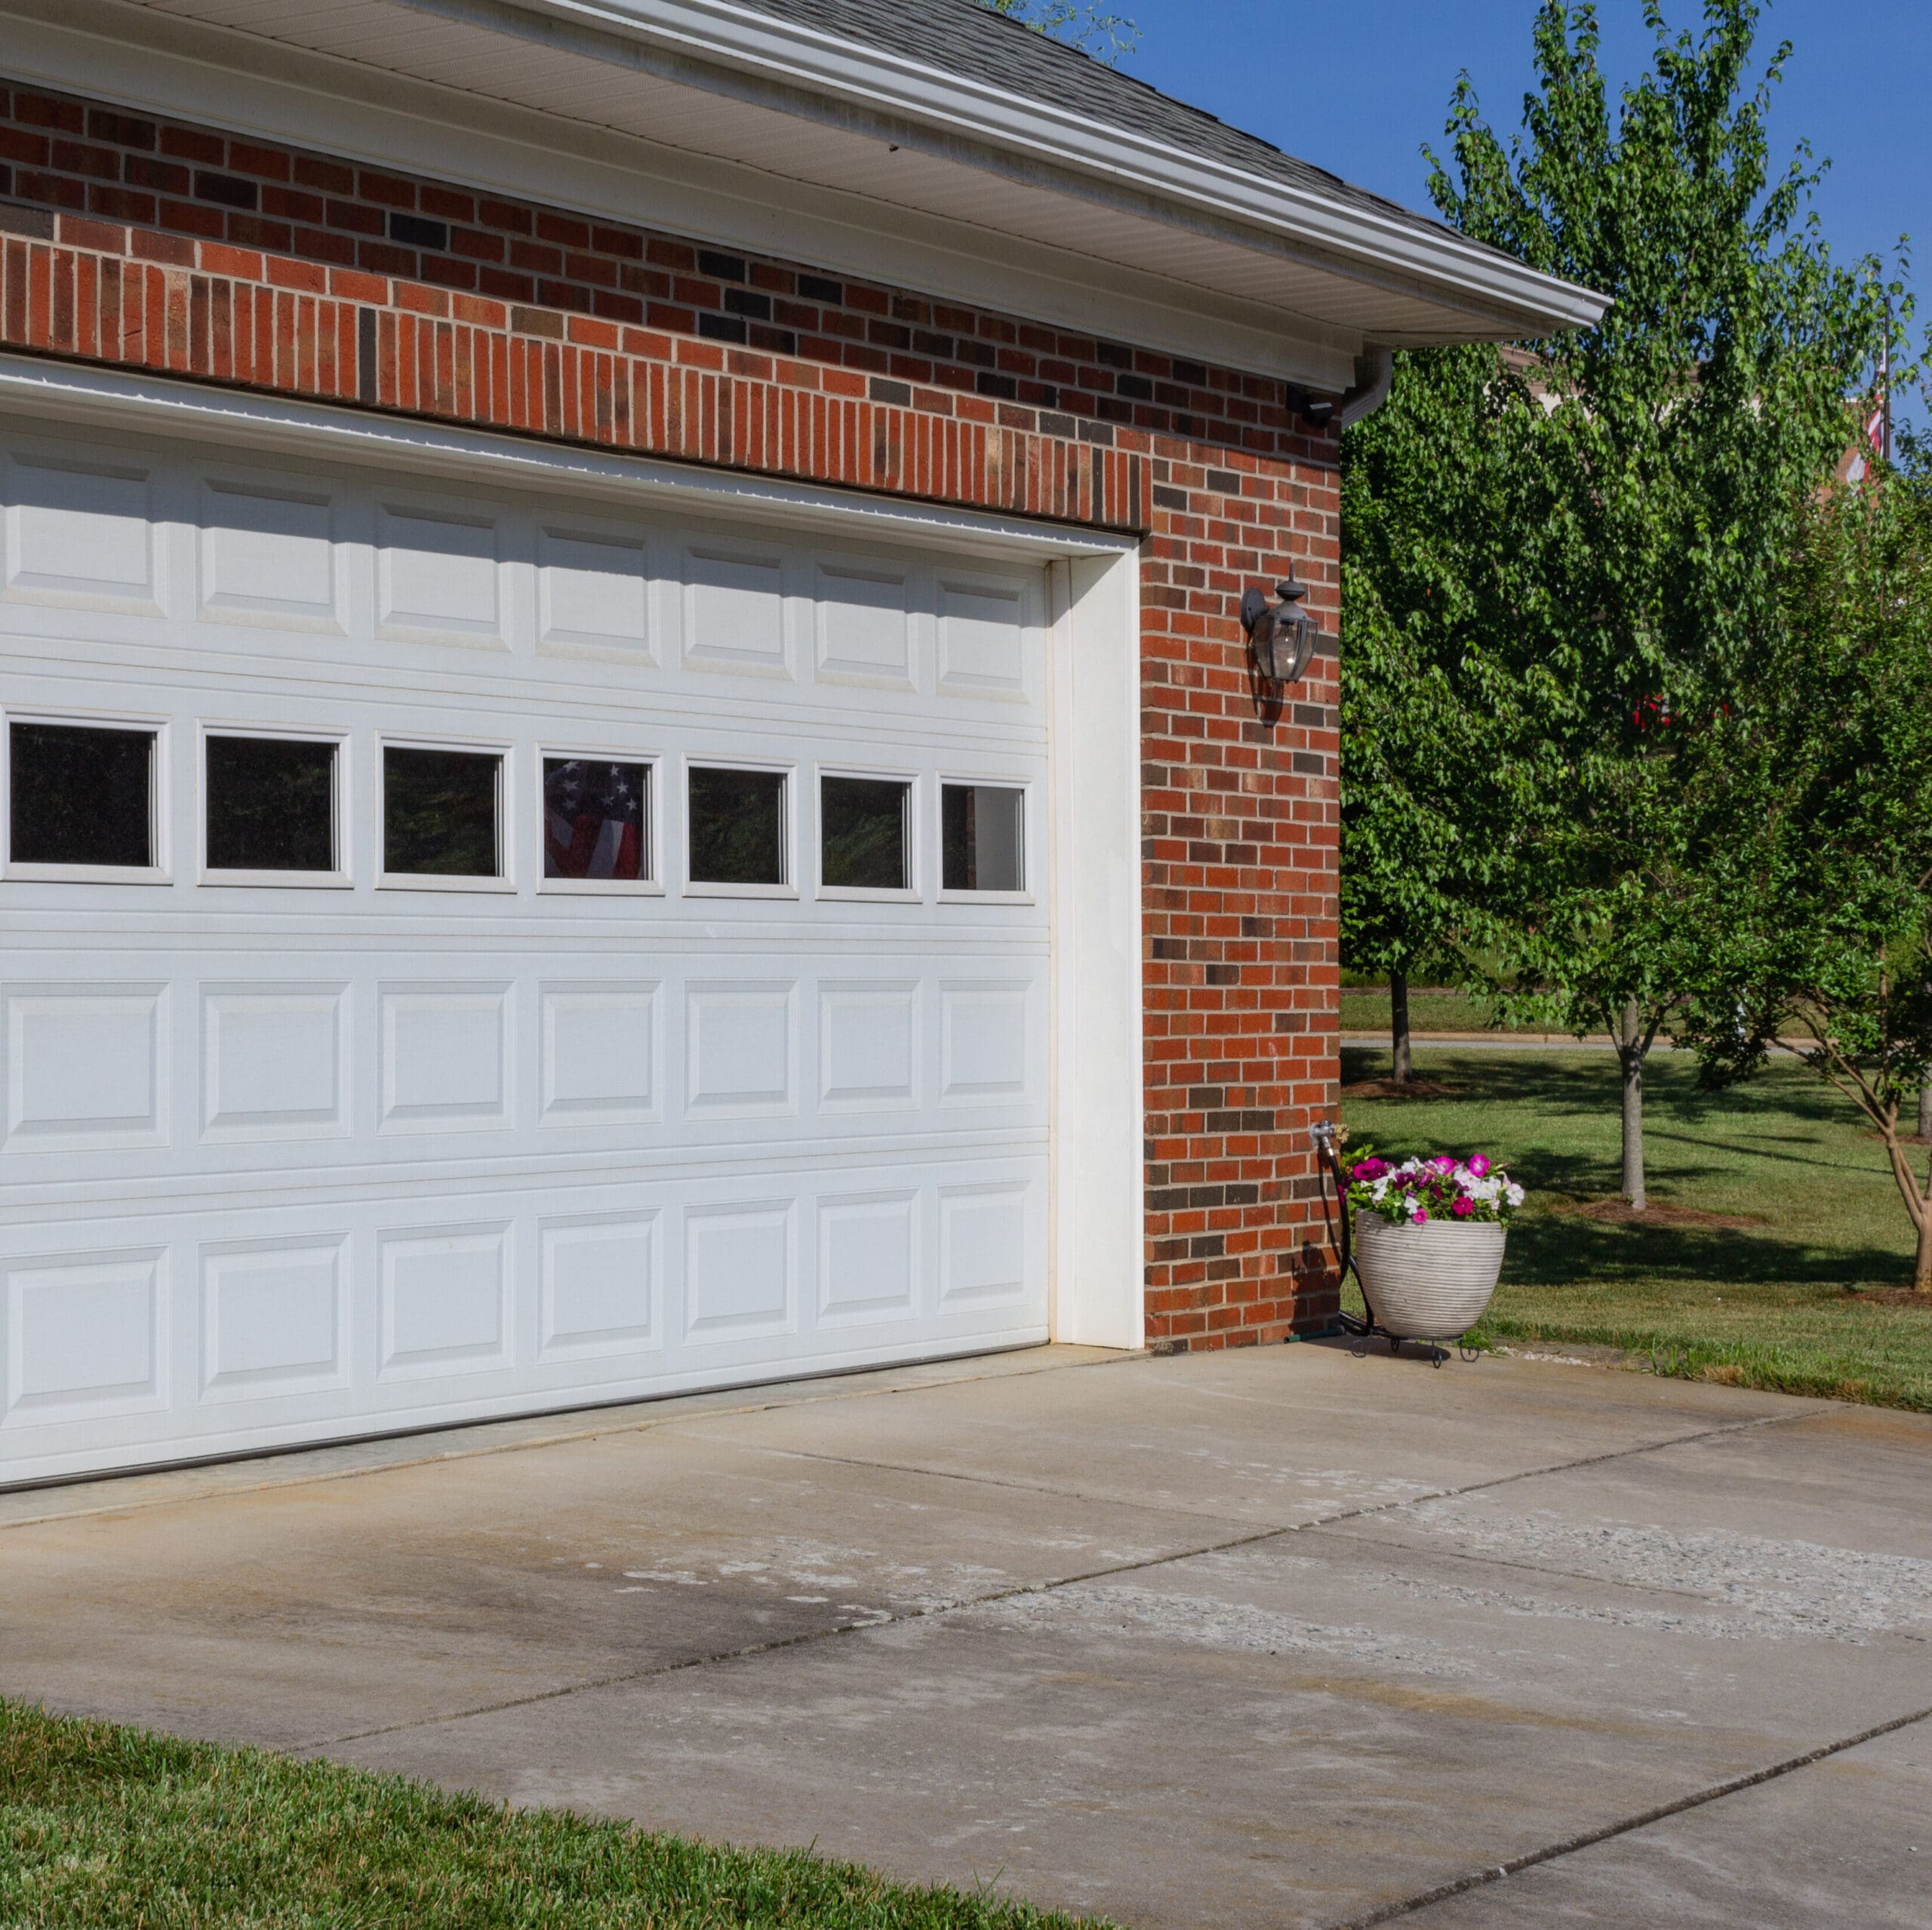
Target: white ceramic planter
x=1430 y=1282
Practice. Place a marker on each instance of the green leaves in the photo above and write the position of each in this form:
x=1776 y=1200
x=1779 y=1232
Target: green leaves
x=1079 y=22
x=1817 y=904
x=1563 y=562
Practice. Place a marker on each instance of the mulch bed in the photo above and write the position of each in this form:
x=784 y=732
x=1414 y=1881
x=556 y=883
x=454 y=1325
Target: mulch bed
x=1660 y=1213
x=1388 y=1089
x=1893 y=1296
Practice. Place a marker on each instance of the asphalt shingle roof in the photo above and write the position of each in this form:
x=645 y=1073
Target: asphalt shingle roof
x=961 y=37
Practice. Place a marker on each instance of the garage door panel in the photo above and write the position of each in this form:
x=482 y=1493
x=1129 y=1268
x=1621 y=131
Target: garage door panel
x=82 y=530
x=864 y=625
x=144 y=1341
x=304 y=1083
x=87 y=1067
x=275 y=1060
x=600 y=1290
x=306 y=1156
x=350 y=575
x=272 y=555
x=274 y=1317
x=601 y=1052
x=594 y=593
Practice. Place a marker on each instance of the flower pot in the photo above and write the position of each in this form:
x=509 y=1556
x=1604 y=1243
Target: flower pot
x=1430 y=1282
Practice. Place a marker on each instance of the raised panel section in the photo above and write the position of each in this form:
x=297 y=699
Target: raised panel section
x=868 y=1257
x=983 y=1245
x=82 y=533
x=600 y=1053
x=84 y=1067
x=444 y=1301
x=599 y=1292
x=83 y=1334
x=274 y=1062
x=268 y=556
x=438 y=576
x=273 y=1318
x=984 y=1043
x=738 y=1268
x=738 y=1048
x=594 y=592
x=445 y=1057
x=864 y=627
x=982 y=639
x=868 y=1044
x=734 y=613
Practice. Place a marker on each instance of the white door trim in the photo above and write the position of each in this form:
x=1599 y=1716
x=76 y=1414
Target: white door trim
x=71 y=393
x=1093 y=810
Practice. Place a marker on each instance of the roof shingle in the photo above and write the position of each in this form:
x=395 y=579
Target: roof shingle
x=962 y=37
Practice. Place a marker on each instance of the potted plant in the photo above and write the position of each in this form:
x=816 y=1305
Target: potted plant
x=1428 y=1241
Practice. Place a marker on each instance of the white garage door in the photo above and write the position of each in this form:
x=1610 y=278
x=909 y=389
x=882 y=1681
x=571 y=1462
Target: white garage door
x=466 y=954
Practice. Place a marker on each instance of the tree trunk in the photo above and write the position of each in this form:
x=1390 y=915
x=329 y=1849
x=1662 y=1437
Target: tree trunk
x=1630 y=1056
x=1398 y=1026
x=1921 y=1272
x=1925 y=1110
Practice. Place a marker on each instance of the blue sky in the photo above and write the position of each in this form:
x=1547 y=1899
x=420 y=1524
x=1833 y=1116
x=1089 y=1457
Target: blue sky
x=1358 y=86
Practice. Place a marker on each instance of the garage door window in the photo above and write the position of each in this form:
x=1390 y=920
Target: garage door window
x=81 y=797
x=269 y=806
x=596 y=821
x=736 y=827
x=982 y=829
x=863 y=844
x=442 y=813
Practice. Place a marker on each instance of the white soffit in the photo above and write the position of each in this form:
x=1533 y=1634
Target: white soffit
x=977 y=170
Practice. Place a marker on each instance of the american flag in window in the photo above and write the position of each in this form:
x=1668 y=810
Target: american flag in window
x=594 y=819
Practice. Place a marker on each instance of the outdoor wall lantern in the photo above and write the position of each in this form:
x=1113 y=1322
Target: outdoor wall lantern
x=1280 y=637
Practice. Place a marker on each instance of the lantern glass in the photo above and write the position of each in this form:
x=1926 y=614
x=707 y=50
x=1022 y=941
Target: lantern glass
x=1282 y=658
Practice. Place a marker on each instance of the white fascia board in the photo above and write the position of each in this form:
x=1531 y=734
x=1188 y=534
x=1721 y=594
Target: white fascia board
x=154 y=59
x=793 y=57
x=155 y=405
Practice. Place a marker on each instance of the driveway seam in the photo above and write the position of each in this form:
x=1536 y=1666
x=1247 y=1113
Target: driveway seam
x=753 y=1651
x=1287 y=1527
x=1478 y=1879
x=565 y=1438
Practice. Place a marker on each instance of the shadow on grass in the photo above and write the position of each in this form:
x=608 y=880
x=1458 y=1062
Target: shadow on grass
x=1556 y=1249
x=1584 y=1084
x=1753 y=1150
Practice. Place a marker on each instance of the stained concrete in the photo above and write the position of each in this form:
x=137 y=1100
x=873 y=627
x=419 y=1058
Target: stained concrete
x=1277 y=1638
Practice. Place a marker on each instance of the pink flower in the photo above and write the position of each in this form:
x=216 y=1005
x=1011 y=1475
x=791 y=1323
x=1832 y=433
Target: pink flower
x=1370 y=1169
x=1463 y=1207
x=1420 y=1215
x=1443 y=1163
x=1478 y=1166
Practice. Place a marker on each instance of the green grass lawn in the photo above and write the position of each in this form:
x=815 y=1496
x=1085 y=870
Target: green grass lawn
x=1778 y=1293
x=1365 y=1008
x=101 y=1826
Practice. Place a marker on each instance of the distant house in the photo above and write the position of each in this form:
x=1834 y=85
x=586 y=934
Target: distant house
x=630 y=763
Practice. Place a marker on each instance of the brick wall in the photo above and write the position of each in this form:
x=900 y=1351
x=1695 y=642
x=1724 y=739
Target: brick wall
x=179 y=248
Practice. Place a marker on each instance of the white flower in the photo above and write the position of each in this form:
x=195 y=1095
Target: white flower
x=1515 y=1194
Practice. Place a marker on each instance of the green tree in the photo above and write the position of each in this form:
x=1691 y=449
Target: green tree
x=1079 y=22
x=1818 y=900
x=1425 y=505
x=1607 y=572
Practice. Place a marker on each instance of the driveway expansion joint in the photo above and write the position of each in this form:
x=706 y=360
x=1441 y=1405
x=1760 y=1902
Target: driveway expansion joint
x=751 y=1652
x=1477 y=1880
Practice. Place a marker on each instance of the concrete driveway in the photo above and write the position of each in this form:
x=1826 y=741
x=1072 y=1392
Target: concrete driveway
x=1273 y=1638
